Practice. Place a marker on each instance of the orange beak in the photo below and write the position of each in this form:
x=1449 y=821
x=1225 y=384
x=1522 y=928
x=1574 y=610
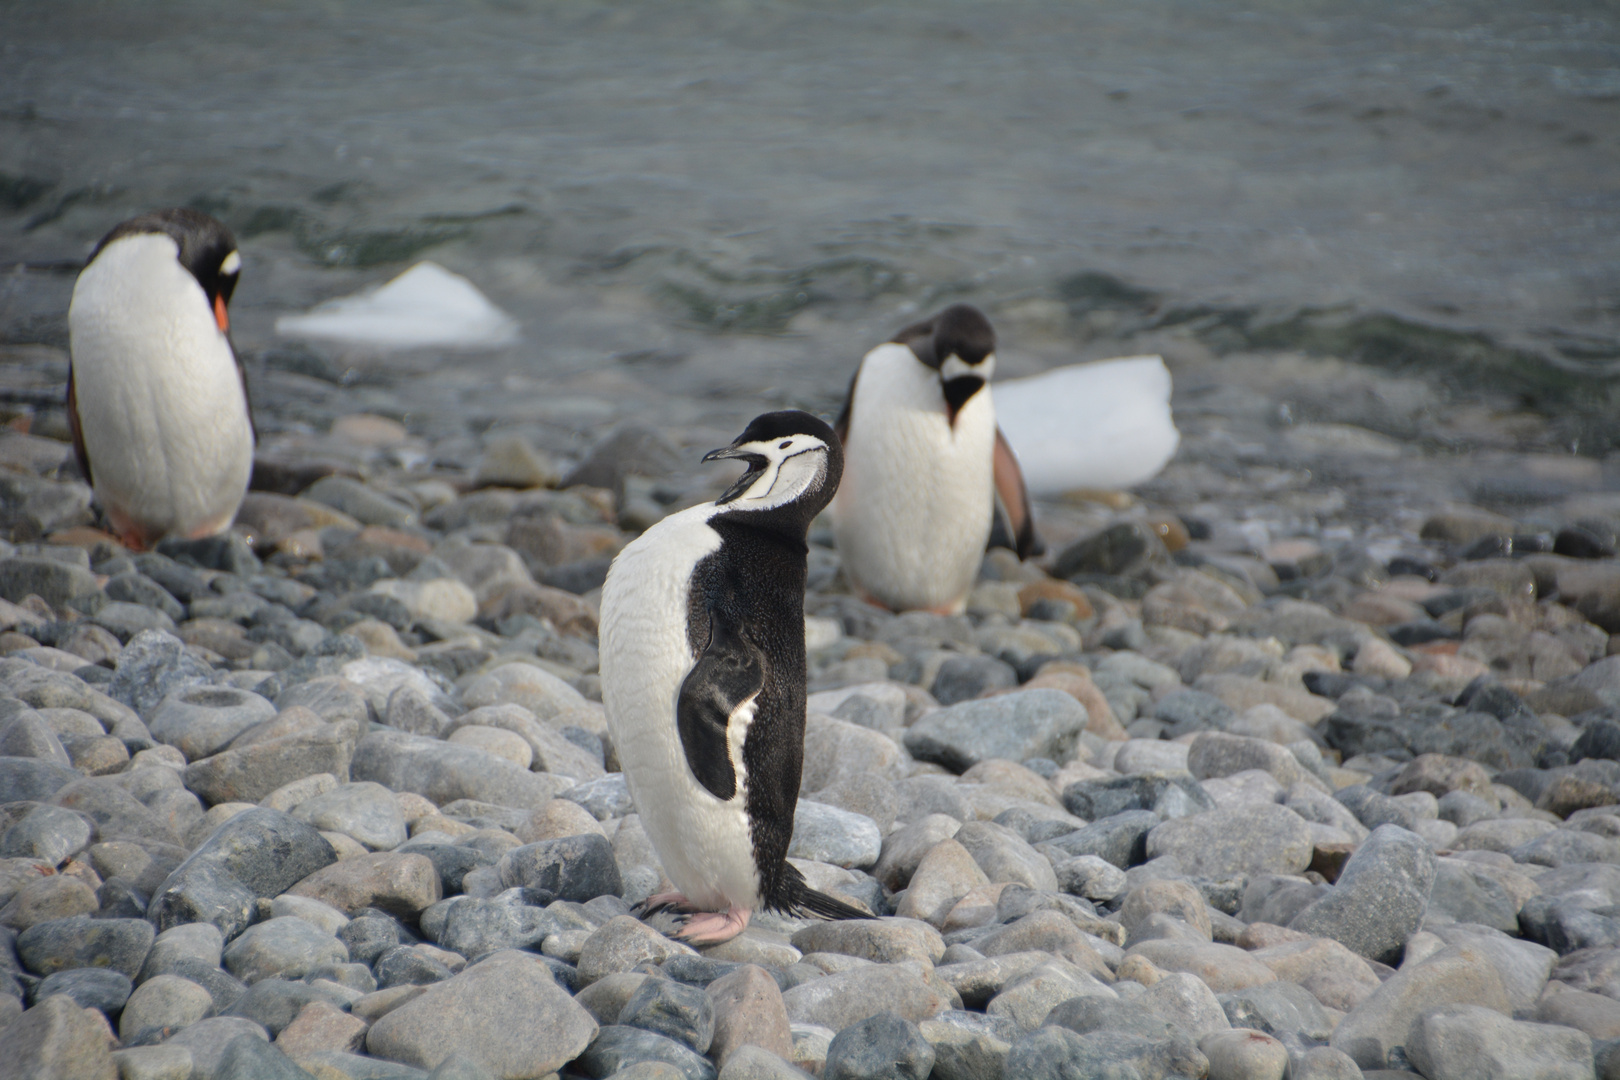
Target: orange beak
x=220 y=316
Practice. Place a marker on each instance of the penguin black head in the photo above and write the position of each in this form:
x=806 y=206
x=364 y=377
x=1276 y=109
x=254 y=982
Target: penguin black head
x=206 y=249
x=960 y=344
x=794 y=465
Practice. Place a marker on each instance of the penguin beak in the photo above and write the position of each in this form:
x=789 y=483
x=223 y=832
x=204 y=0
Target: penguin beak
x=220 y=316
x=756 y=466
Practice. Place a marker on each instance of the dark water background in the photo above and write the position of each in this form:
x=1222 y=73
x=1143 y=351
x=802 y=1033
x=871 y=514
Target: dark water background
x=739 y=198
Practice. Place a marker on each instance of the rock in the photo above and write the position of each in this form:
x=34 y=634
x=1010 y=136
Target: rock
x=164 y=1062
x=1457 y=975
x=618 y=1049
x=286 y=947
x=256 y=854
x=1216 y=753
x=1222 y=968
x=1223 y=843
x=1083 y=1015
x=249 y=773
x=748 y=1063
x=24 y=734
x=47 y=834
x=1245 y=1054
x=476 y=928
x=1121 y=838
x=80 y=941
x=1016 y=726
x=1468 y=893
x=749 y=1012
x=620 y=944
x=153 y=665
x=250 y=1058
x=400 y=883
x=30 y=778
x=164 y=1001
x=1003 y=855
x=1168 y=793
x=190 y=941
x=1455 y=1042
x=506 y=1014
x=1055 y=1053
x=906 y=847
x=202 y=720
x=1029 y=999
x=1379 y=898
x=366 y=811
x=445 y=772
x=404 y=965
x=577 y=868
x=45 y=899
x=1185 y=1001
x=59 y=584
x=1277 y=1008
x=945 y=875
x=534 y=688
x=1595 y=1014
x=881 y=1047
x=59 y=1040
x=208 y=1040
x=827 y=834
x=674 y=1010
x=1090 y=876
x=1333 y=974
x=882 y=941
x=90 y=988
x=838 y=1000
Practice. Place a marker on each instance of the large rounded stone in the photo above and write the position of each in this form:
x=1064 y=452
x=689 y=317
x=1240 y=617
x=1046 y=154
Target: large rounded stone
x=201 y=721
x=1265 y=839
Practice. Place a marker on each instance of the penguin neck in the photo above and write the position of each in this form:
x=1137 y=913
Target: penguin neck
x=787 y=524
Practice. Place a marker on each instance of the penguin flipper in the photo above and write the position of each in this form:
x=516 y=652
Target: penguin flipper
x=72 y=409
x=1014 y=501
x=798 y=898
x=720 y=688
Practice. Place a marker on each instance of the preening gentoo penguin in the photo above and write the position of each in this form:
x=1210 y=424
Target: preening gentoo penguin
x=703 y=678
x=155 y=399
x=924 y=465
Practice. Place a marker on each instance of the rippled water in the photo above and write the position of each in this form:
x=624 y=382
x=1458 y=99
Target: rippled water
x=741 y=197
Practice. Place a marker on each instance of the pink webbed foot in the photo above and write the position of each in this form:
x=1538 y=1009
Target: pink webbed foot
x=713 y=927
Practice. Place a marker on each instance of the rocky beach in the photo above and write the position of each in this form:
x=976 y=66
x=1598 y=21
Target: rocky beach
x=1301 y=759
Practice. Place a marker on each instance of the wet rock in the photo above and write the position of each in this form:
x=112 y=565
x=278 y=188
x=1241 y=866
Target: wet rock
x=1017 y=726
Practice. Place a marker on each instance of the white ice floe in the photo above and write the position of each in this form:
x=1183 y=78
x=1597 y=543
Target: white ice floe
x=427 y=305
x=1105 y=425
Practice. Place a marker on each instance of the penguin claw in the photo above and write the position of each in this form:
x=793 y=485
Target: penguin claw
x=669 y=901
x=713 y=927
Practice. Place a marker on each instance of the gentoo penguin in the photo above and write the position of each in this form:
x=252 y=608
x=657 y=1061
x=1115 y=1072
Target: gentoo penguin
x=925 y=463
x=155 y=399
x=703 y=678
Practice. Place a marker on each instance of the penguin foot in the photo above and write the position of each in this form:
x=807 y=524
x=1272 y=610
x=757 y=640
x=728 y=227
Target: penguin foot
x=663 y=901
x=713 y=927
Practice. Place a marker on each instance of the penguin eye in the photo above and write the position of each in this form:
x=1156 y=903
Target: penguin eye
x=785 y=445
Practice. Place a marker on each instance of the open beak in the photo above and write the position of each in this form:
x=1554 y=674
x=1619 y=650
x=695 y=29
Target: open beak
x=756 y=466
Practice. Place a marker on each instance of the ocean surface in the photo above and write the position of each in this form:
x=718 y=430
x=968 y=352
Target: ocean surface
x=739 y=198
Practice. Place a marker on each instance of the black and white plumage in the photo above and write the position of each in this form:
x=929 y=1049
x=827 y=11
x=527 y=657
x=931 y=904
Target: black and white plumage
x=925 y=466
x=156 y=400
x=703 y=678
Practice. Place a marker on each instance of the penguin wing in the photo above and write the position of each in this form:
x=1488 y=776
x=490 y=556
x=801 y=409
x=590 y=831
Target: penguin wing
x=718 y=691
x=72 y=410
x=841 y=425
x=1014 y=501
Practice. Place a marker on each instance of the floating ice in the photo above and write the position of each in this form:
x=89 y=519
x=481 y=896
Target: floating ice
x=427 y=305
x=1105 y=425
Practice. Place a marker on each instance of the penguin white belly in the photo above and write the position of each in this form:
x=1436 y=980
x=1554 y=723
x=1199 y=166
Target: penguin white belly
x=161 y=407
x=913 y=512
x=704 y=842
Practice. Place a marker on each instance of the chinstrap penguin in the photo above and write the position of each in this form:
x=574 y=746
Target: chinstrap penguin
x=156 y=399
x=703 y=678
x=925 y=464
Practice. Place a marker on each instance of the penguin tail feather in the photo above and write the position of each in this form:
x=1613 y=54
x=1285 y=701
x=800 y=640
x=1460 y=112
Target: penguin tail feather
x=800 y=899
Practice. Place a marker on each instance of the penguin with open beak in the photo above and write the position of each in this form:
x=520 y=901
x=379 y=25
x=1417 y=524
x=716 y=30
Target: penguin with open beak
x=156 y=399
x=704 y=680
x=925 y=467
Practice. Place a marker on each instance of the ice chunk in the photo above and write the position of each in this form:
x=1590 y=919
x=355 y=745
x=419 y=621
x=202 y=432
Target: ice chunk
x=1105 y=425
x=427 y=305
